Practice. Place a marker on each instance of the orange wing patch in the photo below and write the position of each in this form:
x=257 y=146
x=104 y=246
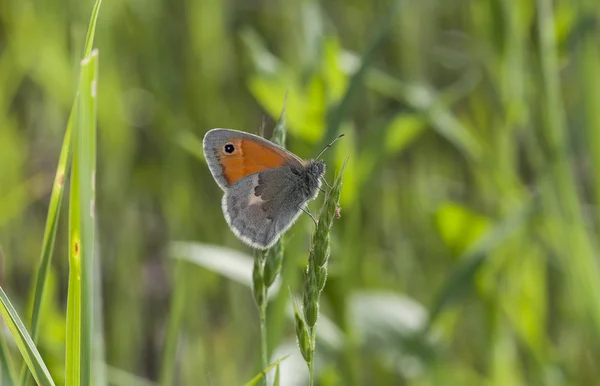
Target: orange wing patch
x=241 y=157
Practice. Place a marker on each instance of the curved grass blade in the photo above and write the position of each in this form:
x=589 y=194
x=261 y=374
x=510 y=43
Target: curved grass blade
x=24 y=342
x=257 y=378
x=49 y=237
x=89 y=40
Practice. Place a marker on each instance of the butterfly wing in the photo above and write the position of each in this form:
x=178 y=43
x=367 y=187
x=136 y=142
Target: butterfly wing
x=232 y=155
x=261 y=207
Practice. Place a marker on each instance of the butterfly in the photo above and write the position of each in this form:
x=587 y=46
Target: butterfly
x=265 y=186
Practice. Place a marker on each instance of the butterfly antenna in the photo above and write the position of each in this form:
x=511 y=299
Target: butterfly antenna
x=328 y=146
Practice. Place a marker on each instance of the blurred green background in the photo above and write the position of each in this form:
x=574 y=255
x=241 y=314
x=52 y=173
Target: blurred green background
x=467 y=251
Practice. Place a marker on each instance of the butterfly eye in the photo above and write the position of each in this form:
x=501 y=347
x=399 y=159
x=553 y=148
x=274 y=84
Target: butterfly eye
x=229 y=148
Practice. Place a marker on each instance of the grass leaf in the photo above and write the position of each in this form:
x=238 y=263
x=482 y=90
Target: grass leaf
x=28 y=350
x=82 y=229
x=257 y=378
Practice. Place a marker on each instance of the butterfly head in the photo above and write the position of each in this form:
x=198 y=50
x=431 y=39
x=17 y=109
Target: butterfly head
x=314 y=172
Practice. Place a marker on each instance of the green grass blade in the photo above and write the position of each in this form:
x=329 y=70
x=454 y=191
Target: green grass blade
x=258 y=377
x=24 y=342
x=87 y=177
x=89 y=40
x=50 y=235
x=82 y=229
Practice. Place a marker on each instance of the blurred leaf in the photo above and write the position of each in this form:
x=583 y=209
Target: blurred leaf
x=524 y=299
x=387 y=323
x=192 y=144
x=341 y=111
x=505 y=369
x=277 y=376
x=402 y=131
x=459 y=282
x=335 y=77
x=272 y=81
x=381 y=317
x=293 y=371
x=312 y=29
x=460 y=226
x=564 y=23
x=26 y=346
x=13 y=203
x=171 y=342
x=424 y=100
x=229 y=263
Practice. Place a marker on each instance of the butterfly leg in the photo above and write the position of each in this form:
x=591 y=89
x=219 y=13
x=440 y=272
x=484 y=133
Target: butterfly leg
x=325 y=182
x=305 y=210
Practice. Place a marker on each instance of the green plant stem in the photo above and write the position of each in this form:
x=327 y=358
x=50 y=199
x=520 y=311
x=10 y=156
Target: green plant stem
x=313 y=343
x=260 y=296
x=263 y=338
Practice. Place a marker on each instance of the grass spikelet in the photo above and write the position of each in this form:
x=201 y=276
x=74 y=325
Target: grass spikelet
x=316 y=274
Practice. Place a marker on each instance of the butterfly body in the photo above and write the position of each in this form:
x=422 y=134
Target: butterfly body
x=265 y=186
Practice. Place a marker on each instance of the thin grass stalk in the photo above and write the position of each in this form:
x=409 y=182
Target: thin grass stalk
x=260 y=296
x=267 y=265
